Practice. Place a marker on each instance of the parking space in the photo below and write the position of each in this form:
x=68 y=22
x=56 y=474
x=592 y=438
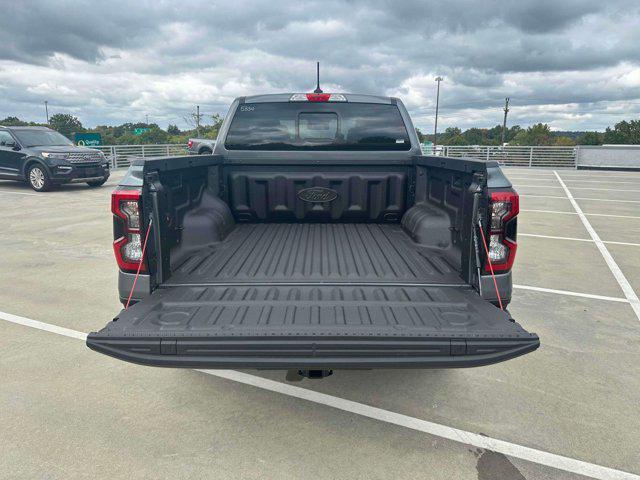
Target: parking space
x=72 y=413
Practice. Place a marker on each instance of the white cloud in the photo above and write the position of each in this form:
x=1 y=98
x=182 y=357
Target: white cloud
x=574 y=64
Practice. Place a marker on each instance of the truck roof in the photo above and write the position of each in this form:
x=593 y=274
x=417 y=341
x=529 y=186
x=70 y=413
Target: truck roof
x=285 y=97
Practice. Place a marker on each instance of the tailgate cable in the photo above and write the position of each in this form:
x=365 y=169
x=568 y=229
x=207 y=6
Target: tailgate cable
x=144 y=249
x=493 y=275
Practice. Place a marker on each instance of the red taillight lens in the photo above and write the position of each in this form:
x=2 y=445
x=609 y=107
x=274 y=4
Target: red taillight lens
x=503 y=208
x=127 y=246
x=318 y=97
x=190 y=144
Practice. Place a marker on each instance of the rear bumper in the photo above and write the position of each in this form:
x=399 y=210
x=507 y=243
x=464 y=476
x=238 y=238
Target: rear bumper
x=127 y=282
x=504 y=285
x=312 y=353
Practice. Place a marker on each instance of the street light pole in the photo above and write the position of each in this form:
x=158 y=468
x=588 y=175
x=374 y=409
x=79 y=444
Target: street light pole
x=46 y=109
x=504 y=122
x=435 y=130
x=198 y=121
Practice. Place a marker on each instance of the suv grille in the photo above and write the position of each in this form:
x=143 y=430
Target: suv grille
x=91 y=157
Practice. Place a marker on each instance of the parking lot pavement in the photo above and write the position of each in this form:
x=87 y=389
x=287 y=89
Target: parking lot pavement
x=563 y=265
x=71 y=413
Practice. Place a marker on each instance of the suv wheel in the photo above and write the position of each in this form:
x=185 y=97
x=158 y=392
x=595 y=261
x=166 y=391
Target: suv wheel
x=38 y=178
x=97 y=183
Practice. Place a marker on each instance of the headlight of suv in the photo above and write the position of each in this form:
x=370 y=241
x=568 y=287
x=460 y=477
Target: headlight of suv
x=53 y=155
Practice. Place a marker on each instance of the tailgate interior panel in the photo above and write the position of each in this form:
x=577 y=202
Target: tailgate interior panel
x=329 y=326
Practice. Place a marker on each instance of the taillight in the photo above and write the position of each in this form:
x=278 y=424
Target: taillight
x=190 y=144
x=503 y=209
x=127 y=245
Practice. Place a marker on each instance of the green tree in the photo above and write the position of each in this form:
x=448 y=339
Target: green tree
x=538 y=134
x=475 y=136
x=627 y=133
x=563 y=141
x=153 y=135
x=450 y=132
x=590 y=138
x=66 y=124
x=173 y=130
x=217 y=121
x=13 y=122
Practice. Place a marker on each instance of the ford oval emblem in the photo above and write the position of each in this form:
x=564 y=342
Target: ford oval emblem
x=317 y=195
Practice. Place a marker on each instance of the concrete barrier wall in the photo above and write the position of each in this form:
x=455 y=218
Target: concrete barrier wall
x=609 y=156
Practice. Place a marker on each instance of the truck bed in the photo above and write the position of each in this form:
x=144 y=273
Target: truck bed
x=317 y=253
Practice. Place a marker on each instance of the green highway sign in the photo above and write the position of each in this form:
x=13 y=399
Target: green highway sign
x=140 y=131
x=87 y=139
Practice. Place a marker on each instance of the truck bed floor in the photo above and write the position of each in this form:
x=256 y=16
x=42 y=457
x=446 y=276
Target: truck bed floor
x=316 y=253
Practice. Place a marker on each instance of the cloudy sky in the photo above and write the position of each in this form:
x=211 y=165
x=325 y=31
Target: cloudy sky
x=572 y=64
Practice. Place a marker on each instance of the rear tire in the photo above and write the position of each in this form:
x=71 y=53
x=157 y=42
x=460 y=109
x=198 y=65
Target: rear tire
x=97 y=183
x=38 y=178
x=205 y=151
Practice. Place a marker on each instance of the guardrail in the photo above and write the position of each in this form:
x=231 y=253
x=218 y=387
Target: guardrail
x=512 y=156
x=120 y=155
x=526 y=156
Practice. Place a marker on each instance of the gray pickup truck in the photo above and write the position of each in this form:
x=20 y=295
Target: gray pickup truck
x=315 y=237
x=200 y=146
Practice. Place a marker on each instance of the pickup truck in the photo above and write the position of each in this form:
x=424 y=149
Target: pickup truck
x=200 y=146
x=315 y=237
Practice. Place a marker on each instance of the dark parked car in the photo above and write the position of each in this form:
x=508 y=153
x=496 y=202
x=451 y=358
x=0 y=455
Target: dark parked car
x=43 y=158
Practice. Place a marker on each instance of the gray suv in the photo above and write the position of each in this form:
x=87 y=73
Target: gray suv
x=44 y=158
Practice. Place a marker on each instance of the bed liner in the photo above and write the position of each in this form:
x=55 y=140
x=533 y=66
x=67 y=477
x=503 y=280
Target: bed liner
x=317 y=253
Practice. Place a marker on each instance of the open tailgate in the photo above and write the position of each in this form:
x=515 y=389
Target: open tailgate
x=313 y=326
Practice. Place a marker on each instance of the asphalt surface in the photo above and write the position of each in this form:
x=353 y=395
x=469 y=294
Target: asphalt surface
x=67 y=412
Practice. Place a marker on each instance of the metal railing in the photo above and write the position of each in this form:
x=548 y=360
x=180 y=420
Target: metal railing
x=512 y=156
x=120 y=156
x=526 y=156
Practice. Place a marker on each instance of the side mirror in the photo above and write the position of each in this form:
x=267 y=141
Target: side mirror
x=13 y=145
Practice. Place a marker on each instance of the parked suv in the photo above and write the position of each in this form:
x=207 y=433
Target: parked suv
x=43 y=158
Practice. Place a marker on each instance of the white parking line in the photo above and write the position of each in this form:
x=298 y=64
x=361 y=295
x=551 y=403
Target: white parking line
x=461 y=436
x=599 y=181
x=582 y=198
x=27 y=322
x=6 y=192
x=578 y=188
x=547 y=211
x=576 y=239
x=626 y=287
x=571 y=294
x=574 y=213
x=569 y=178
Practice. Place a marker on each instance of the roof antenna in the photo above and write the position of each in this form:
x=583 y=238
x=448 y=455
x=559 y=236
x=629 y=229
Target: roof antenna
x=318 y=89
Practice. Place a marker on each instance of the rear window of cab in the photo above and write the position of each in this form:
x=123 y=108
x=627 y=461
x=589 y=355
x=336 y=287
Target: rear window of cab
x=317 y=126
